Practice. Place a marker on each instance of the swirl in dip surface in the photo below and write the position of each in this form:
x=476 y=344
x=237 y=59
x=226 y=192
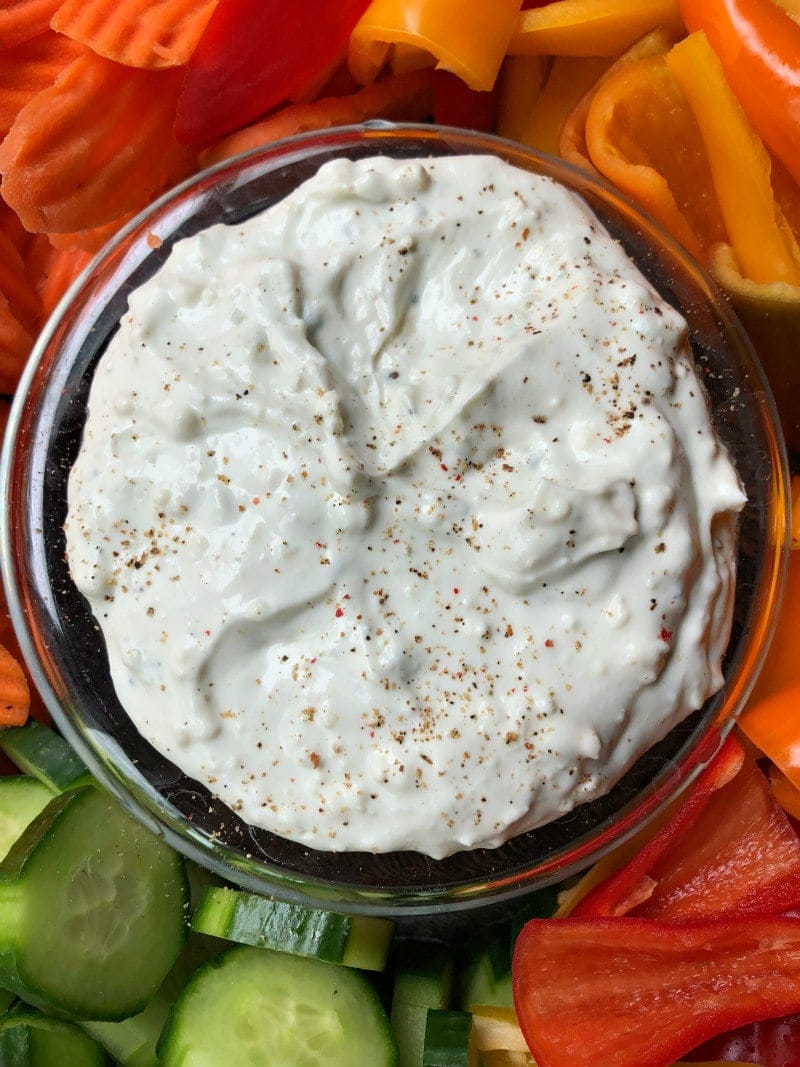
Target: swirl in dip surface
x=401 y=511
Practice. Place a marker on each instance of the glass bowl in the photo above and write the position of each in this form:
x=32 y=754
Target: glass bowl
x=66 y=654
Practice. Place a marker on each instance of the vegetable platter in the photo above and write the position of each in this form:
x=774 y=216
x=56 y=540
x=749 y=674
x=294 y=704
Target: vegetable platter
x=679 y=947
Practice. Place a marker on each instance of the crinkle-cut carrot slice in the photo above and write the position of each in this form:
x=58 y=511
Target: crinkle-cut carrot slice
x=89 y=240
x=22 y=19
x=30 y=67
x=15 y=286
x=52 y=271
x=13 y=229
x=138 y=33
x=400 y=96
x=15 y=697
x=15 y=346
x=96 y=144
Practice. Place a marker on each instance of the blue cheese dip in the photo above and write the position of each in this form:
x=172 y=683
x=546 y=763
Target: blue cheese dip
x=401 y=512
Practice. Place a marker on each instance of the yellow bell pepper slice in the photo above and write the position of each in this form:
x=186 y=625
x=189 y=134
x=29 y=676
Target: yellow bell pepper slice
x=740 y=165
x=590 y=27
x=521 y=81
x=569 y=79
x=467 y=37
x=642 y=136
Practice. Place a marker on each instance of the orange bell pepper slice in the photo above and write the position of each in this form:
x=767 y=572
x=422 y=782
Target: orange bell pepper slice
x=572 y=140
x=467 y=37
x=758 y=44
x=590 y=27
x=772 y=718
x=740 y=165
x=642 y=136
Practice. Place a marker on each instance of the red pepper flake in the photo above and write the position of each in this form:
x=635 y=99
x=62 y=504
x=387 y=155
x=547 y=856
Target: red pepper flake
x=548 y=643
x=339 y=613
x=455 y=590
x=207 y=633
x=665 y=635
x=256 y=500
x=606 y=440
x=314 y=759
x=443 y=466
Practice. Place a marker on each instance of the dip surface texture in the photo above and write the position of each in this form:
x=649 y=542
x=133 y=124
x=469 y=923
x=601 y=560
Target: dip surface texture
x=401 y=512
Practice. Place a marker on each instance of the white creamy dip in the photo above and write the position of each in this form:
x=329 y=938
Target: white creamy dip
x=400 y=509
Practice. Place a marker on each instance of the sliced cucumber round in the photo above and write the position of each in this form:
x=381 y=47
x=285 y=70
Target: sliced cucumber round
x=21 y=800
x=92 y=909
x=270 y=1009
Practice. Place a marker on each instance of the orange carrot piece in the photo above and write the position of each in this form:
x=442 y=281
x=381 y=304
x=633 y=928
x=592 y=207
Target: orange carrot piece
x=91 y=240
x=15 y=346
x=96 y=144
x=28 y=68
x=8 y=639
x=52 y=271
x=401 y=96
x=15 y=697
x=22 y=19
x=150 y=34
x=14 y=284
x=13 y=229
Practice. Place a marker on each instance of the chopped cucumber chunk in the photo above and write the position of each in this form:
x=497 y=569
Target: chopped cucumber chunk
x=30 y=1039
x=423 y=979
x=449 y=1040
x=42 y=753
x=355 y=941
x=269 y=1009
x=91 y=909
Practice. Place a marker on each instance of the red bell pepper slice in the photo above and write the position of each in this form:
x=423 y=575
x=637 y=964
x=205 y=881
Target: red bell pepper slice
x=729 y=850
x=759 y=47
x=639 y=993
x=256 y=54
x=455 y=104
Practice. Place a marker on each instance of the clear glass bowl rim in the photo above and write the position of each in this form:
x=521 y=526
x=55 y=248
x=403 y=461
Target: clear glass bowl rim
x=147 y=805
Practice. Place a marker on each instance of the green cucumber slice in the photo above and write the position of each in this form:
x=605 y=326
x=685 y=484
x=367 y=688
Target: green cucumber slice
x=42 y=753
x=269 y=1009
x=423 y=979
x=30 y=1039
x=354 y=941
x=132 y=1042
x=449 y=1041
x=91 y=909
x=21 y=800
